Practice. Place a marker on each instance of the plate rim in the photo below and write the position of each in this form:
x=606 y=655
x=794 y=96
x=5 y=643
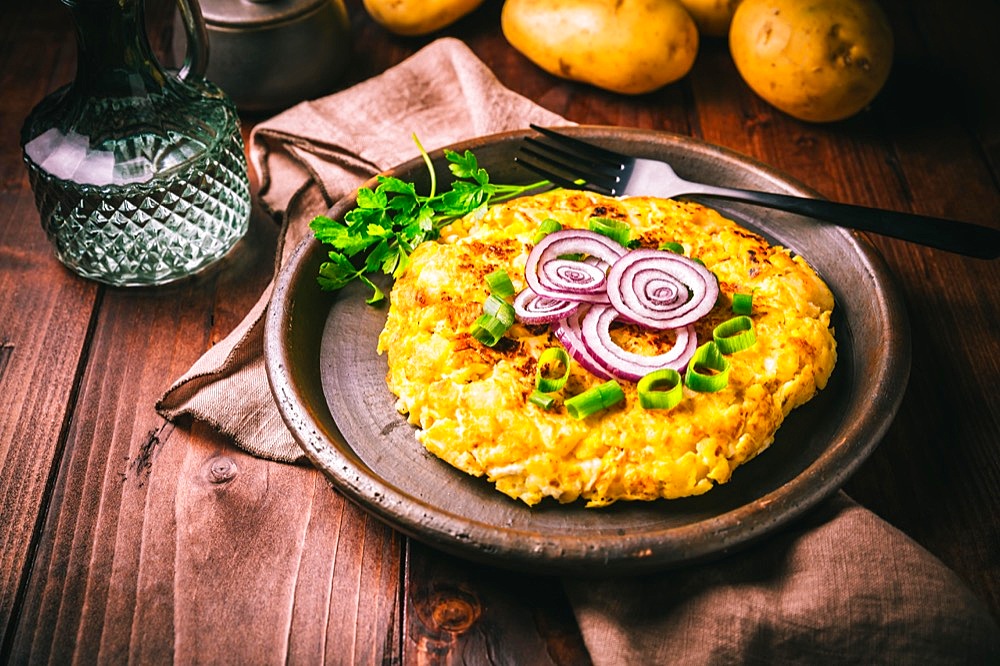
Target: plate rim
x=430 y=524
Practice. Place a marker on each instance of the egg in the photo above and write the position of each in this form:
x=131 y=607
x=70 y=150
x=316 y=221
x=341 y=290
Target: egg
x=469 y=402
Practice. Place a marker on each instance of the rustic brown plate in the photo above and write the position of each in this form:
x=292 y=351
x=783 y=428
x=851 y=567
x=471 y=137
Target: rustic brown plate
x=330 y=387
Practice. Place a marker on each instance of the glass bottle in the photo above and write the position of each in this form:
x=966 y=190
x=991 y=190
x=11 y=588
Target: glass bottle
x=138 y=173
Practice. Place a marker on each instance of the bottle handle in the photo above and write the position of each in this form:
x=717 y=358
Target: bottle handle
x=196 y=55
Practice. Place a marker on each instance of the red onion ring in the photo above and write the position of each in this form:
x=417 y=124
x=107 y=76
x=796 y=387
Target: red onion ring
x=530 y=308
x=596 y=335
x=597 y=261
x=570 y=334
x=581 y=299
x=661 y=289
x=546 y=282
x=576 y=277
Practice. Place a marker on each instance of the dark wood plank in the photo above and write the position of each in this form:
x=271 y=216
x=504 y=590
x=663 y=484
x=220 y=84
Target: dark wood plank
x=45 y=315
x=458 y=612
x=126 y=538
x=455 y=611
x=940 y=150
x=45 y=312
x=858 y=161
x=154 y=529
x=164 y=543
x=316 y=576
x=908 y=152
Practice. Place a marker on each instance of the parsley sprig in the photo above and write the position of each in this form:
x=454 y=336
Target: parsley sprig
x=391 y=220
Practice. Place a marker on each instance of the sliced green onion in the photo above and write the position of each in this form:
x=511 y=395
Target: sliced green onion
x=660 y=389
x=547 y=226
x=499 y=283
x=743 y=303
x=499 y=308
x=616 y=230
x=552 y=359
x=488 y=329
x=595 y=398
x=708 y=369
x=670 y=246
x=735 y=334
x=497 y=318
x=543 y=400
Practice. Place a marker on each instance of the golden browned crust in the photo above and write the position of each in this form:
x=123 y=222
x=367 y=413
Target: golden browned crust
x=470 y=401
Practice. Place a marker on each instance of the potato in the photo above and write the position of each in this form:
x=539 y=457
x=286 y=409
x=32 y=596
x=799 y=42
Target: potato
x=712 y=17
x=816 y=60
x=418 y=17
x=628 y=46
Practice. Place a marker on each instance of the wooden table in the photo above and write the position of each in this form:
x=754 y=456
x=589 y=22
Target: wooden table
x=123 y=536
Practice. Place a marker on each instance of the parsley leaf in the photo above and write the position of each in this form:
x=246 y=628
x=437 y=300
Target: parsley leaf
x=393 y=219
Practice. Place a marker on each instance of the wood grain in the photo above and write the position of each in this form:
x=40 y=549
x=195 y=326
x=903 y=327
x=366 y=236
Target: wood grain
x=458 y=613
x=124 y=538
x=45 y=315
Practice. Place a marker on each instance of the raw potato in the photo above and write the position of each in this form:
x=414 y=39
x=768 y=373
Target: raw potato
x=629 y=46
x=816 y=60
x=418 y=17
x=711 y=16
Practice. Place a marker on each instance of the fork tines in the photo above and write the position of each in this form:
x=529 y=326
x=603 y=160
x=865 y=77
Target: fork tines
x=583 y=147
x=572 y=163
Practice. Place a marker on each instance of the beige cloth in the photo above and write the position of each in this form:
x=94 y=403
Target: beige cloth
x=308 y=158
x=842 y=587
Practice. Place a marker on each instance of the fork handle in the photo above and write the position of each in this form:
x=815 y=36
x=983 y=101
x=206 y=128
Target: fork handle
x=960 y=237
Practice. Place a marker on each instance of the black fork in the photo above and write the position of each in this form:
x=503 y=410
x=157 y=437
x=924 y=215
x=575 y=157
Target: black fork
x=572 y=163
x=575 y=164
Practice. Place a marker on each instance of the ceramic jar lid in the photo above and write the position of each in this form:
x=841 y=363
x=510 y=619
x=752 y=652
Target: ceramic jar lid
x=256 y=13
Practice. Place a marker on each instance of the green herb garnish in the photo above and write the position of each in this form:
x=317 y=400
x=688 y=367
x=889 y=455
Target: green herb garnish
x=543 y=400
x=616 y=230
x=708 y=369
x=595 y=398
x=499 y=284
x=391 y=220
x=734 y=335
x=548 y=226
x=553 y=368
x=743 y=303
x=497 y=318
x=660 y=389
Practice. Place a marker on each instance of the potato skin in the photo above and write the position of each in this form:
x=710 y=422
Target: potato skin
x=816 y=60
x=711 y=16
x=418 y=17
x=628 y=46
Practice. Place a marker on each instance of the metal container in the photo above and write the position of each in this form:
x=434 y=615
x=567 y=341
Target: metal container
x=270 y=54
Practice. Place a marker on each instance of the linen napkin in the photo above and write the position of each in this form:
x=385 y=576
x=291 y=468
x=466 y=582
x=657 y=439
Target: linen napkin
x=309 y=157
x=842 y=586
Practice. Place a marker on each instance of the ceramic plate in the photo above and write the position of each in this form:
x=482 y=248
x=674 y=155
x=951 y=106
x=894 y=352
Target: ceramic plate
x=330 y=387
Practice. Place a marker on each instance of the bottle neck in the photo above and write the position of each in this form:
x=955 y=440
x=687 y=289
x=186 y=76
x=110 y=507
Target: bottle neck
x=114 y=58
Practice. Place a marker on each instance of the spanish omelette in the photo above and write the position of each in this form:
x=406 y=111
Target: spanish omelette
x=470 y=402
